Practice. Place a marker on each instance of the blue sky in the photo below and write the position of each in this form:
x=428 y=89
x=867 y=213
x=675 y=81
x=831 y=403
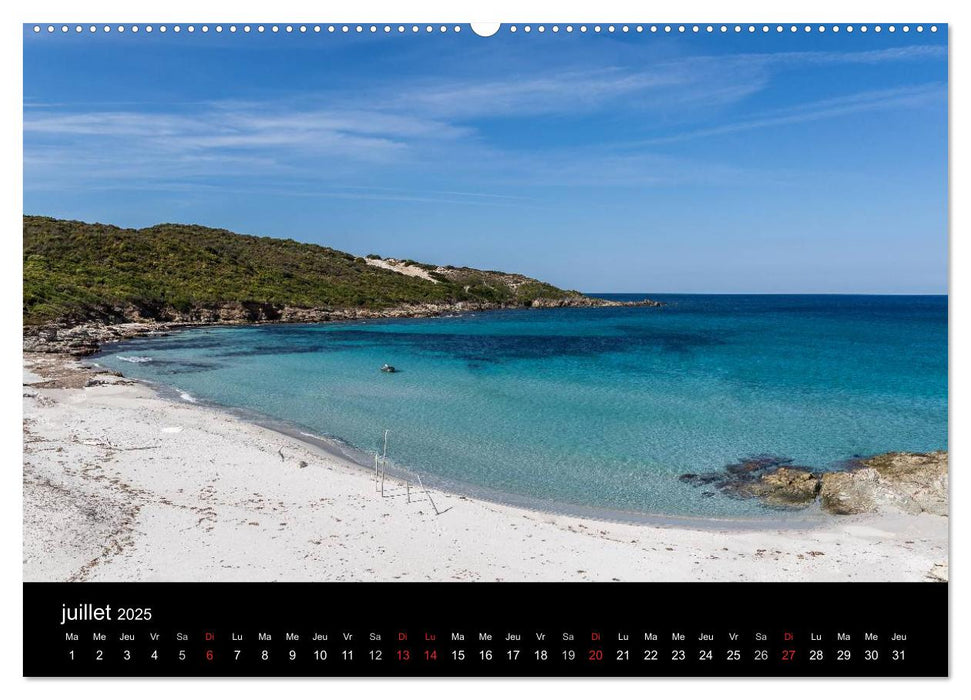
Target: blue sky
x=632 y=162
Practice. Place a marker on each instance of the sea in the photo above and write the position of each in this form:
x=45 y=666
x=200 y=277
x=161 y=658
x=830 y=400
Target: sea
x=597 y=410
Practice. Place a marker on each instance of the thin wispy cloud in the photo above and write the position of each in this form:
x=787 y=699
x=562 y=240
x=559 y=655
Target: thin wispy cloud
x=311 y=190
x=870 y=101
x=534 y=94
x=254 y=126
x=707 y=80
x=872 y=57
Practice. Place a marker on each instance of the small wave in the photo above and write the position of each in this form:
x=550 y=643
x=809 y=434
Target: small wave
x=134 y=358
x=186 y=396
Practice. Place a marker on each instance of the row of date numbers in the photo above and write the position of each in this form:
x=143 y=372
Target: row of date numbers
x=513 y=655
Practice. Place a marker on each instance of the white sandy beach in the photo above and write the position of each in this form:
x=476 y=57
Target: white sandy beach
x=123 y=485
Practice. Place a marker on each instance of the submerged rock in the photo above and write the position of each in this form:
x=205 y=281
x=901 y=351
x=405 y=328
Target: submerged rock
x=770 y=478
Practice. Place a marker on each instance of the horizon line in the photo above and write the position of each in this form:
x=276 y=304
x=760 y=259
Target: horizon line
x=783 y=294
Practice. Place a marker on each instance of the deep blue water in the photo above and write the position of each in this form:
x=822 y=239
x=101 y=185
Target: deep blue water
x=597 y=407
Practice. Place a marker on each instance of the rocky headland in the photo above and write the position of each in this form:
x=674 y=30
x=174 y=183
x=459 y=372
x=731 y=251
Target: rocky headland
x=88 y=284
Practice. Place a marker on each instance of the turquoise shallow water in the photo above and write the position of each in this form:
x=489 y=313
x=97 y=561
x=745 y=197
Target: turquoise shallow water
x=593 y=407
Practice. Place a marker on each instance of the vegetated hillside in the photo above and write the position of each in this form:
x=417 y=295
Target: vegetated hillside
x=75 y=271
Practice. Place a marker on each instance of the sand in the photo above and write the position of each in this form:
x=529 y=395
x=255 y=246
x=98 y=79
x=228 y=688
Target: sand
x=402 y=268
x=121 y=484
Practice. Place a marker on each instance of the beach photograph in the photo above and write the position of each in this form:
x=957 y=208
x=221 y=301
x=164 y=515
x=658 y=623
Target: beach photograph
x=561 y=303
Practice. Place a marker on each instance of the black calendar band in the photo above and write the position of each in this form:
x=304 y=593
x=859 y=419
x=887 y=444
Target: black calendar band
x=486 y=629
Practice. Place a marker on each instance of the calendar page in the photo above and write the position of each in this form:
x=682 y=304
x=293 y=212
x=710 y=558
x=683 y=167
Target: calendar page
x=545 y=349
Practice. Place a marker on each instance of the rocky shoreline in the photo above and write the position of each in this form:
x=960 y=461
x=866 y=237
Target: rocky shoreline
x=86 y=337
x=908 y=482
